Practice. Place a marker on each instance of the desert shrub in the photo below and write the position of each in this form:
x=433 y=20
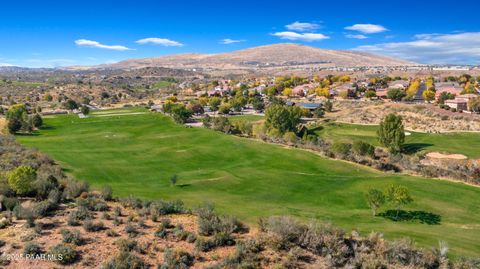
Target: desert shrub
x=191 y=238
x=71 y=237
x=403 y=252
x=467 y=263
x=131 y=202
x=21 y=212
x=247 y=255
x=106 y=216
x=38 y=227
x=341 y=150
x=179 y=232
x=327 y=241
x=126 y=245
x=125 y=260
x=106 y=193
x=117 y=211
x=174 y=259
x=223 y=239
x=92 y=203
x=54 y=196
x=363 y=148
x=91 y=226
x=42 y=187
x=28 y=237
x=210 y=223
x=9 y=203
x=131 y=230
x=32 y=249
x=77 y=215
x=43 y=208
x=65 y=254
x=5 y=190
x=74 y=189
x=167 y=207
x=203 y=244
x=283 y=231
x=111 y=233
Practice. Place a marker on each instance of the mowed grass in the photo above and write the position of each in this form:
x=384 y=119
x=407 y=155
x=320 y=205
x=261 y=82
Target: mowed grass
x=463 y=143
x=137 y=154
x=245 y=118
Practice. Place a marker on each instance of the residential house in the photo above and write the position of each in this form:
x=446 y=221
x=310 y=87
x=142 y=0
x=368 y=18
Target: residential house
x=381 y=93
x=302 y=90
x=450 y=87
x=398 y=84
x=458 y=103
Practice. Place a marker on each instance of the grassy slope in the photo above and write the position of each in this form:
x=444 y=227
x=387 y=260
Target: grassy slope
x=464 y=143
x=137 y=154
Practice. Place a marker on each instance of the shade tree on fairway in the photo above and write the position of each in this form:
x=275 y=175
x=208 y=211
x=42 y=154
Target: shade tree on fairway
x=375 y=199
x=396 y=195
x=391 y=133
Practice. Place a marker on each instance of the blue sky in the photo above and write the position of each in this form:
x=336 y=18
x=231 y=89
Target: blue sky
x=59 y=33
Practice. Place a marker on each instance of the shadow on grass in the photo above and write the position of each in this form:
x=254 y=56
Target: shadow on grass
x=47 y=127
x=415 y=147
x=421 y=216
x=183 y=185
x=28 y=134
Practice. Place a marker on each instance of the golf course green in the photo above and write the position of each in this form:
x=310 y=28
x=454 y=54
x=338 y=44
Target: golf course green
x=137 y=152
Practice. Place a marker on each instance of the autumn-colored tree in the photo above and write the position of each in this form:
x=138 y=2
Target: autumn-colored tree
x=429 y=95
x=413 y=88
x=287 y=92
x=322 y=91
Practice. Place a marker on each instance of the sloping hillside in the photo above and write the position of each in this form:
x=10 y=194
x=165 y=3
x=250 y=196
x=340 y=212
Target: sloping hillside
x=277 y=55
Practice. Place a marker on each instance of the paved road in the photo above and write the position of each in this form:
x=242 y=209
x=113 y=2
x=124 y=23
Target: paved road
x=419 y=95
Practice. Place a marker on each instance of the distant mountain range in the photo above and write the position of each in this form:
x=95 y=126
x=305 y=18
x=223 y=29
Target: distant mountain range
x=269 y=56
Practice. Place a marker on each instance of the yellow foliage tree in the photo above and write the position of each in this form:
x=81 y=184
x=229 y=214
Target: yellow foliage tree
x=413 y=88
x=287 y=92
x=322 y=91
x=429 y=95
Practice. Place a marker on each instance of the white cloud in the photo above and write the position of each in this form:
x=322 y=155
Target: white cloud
x=302 y=26
x=367 y=28
x=457 y=48
x=95 y=44
x=6 y=64
x=160 y=41
x=356 y=36
x=227 y=41
x=301 y=36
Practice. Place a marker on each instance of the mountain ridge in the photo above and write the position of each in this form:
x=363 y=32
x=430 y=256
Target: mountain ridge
x=274 y=55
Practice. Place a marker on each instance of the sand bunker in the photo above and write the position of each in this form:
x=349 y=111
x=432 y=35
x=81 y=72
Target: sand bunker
x=438 y=155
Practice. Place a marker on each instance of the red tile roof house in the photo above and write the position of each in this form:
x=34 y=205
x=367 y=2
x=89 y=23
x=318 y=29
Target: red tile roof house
x=381 y=93
x=453 y=89
x=398 y=84
x=459 y=104
x=302 y=90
